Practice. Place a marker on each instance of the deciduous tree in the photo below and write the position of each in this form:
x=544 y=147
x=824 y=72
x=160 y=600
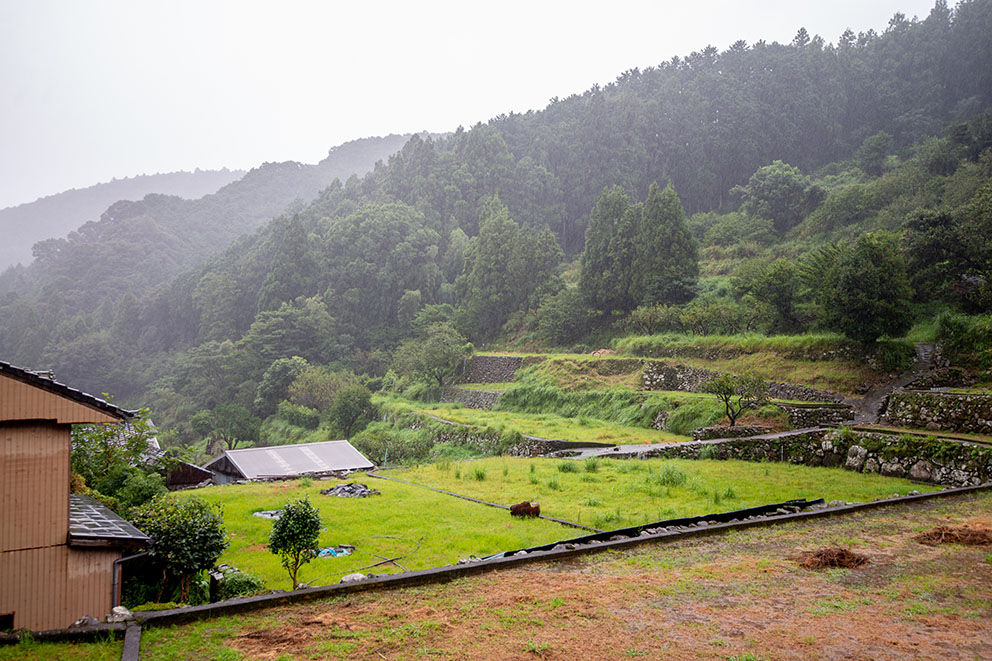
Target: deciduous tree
x=294 y=536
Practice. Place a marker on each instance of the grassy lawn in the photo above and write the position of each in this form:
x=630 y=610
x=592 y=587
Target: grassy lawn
x=447 y=528
x=610 y=494
x=103 y=650
x=738 y=595
x=549 y=425
x=604 y=494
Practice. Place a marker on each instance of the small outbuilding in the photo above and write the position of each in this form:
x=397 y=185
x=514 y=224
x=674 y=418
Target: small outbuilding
x=58 y=551
x=288 y=462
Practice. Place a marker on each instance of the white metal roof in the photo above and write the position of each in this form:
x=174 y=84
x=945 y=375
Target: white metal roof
x=293 y=460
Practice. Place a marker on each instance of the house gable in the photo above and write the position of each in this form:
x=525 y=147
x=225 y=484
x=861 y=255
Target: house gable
x=25 y=395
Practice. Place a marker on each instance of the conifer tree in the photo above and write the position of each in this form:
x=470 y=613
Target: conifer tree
x=605 y=278
x=667 y=265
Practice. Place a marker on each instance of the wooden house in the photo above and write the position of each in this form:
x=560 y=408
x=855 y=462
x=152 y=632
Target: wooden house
x=57 y=552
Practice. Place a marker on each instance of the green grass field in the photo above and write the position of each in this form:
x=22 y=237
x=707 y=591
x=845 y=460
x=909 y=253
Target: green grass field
x=605 y=494
x=547 y=425
x=447 y=528
x=610 y=494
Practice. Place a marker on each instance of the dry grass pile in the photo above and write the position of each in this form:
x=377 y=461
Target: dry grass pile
x=971 y=536
x=831 y=557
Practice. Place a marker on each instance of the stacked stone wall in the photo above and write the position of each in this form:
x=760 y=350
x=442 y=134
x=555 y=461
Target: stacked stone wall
x=722 y=431
x=659 y=375
x=473 y=399
x=816 y=416
x=924 y=460
x=967 y=413
x=491 y=369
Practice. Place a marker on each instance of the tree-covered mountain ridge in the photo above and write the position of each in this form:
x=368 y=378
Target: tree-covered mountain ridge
x=481 y=231
x=142 y=243
x=56 y=215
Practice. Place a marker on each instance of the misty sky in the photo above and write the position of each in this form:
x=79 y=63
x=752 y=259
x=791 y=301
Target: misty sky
x=100 y=89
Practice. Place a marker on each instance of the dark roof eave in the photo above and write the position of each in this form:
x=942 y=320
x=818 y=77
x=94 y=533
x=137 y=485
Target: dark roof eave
x=61 y=389
x=88 y=541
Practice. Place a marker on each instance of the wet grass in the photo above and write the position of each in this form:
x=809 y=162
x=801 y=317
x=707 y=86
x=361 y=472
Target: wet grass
x=545 y=425
x=388 y=525
x=610 y=494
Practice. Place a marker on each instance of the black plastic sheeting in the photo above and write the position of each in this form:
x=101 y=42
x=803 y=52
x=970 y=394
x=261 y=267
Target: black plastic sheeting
x=635 y=531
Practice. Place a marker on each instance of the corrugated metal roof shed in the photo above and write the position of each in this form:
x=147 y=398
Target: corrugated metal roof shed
x=291 y=460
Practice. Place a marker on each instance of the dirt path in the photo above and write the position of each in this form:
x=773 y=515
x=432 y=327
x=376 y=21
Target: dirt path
x=740 y=595
x=868 y=409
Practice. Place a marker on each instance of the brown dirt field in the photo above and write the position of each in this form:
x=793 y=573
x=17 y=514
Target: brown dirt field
x=738 y=595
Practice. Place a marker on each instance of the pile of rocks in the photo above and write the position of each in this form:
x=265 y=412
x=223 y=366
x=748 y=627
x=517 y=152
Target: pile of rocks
x=350 y=490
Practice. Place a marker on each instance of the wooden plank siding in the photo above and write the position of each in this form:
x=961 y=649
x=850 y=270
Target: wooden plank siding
x=22 y=401
x=34 y=485
x=52 y=587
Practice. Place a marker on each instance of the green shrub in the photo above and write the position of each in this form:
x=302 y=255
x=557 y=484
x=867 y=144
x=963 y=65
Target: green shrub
x=240 y=584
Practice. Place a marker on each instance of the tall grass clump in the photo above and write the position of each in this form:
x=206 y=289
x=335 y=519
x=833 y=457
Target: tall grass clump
x=568 y=467
x=693 y=414
x=592 y=464
x=479 y=474
x=671 y=476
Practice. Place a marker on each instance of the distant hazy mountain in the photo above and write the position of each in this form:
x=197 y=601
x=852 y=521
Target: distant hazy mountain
x=57 y=215
x=136 y=245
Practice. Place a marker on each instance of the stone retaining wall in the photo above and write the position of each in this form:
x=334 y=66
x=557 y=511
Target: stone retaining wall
x=967 y=413
x=473 y=399
x=816 y=416
x=491 y=369
x=924 y=460
x=659 y=375
x=493 y=442
x=722 y=431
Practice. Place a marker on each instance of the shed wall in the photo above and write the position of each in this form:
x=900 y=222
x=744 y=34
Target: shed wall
x=20 y=401
x=34 y=485
x=52 y=587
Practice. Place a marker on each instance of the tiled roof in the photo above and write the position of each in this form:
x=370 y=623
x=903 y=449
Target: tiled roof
x=53 y=386
x=93 y=524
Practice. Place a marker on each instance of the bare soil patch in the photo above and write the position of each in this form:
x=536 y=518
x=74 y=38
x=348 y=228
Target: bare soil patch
x=971 y=536
x=831 y=557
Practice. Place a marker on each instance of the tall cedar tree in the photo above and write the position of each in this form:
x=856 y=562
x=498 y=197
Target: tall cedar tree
x=605 y=277
x=667 y=266
x=512 y=267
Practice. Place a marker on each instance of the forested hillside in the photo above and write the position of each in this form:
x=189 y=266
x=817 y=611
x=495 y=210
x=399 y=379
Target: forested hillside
x=787 y=174
x=57 y=215
x=137 y=245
